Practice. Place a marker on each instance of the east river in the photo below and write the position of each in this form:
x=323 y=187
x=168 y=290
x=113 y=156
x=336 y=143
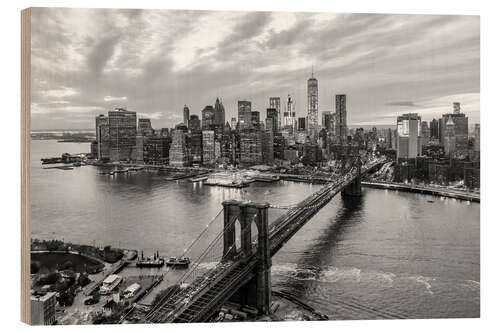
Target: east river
x=385 y=255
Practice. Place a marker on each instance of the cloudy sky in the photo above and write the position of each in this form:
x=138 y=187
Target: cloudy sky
x=88 y=61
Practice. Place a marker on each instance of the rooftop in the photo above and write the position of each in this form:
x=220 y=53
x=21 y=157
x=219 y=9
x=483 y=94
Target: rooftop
x=42 y=297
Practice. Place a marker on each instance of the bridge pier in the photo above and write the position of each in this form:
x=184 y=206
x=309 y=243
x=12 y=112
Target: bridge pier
x=353 y=189
x=257 y=291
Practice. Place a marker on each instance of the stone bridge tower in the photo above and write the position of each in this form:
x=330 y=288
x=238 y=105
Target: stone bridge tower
x=257 y=291
x=354 y=188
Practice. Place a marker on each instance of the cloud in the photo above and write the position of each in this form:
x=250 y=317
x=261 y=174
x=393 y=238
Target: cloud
x=114 y=98
x=58 y=93
x=101 y=53
x=403 y=103
x=87 y=61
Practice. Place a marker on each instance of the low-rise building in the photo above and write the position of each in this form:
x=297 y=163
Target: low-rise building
x=43 y=309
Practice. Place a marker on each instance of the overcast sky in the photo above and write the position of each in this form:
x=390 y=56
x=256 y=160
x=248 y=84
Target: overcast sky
x=88 y=61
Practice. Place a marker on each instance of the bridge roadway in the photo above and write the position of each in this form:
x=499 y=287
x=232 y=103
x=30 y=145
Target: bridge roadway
x=198 y=301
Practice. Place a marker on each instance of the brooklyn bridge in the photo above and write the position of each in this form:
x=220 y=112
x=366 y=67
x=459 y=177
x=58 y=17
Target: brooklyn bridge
x=243 y=250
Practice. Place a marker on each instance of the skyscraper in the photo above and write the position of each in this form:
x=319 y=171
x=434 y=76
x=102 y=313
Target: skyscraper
x=208 y=147
x=102 y=137
x=477 y=137
x=327 y=120
x=289 y=114
x=312 y=105
x=186 y=115
x=461 y=130
x=250 y=147
x=178 y=154
x=425 y=134
x=122 y=134
x=100 y=120
x=195 y=139
x=144 y=127
x=408 y=128
x=245 y=114
x=434 y=127
x=194 y=123
x=155 y=149
x=273 y=115
x=449 y=136
x=275 y=103
x=341 y=118
x=267 y=147
x=208 y=118
x=301 y=126
x=234 y=121
x=255 y=119
x=219 y=113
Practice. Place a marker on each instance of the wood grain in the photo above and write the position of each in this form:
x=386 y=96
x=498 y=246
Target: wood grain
x=25 y=163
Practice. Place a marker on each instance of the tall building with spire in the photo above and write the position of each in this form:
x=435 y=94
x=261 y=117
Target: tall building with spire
x=312 y=105
x=289 y=114
x=186 y=115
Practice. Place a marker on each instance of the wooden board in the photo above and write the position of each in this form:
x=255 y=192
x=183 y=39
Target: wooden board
x=25 y=163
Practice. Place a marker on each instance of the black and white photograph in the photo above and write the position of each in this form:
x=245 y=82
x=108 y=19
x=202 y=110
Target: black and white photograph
x=186 y=166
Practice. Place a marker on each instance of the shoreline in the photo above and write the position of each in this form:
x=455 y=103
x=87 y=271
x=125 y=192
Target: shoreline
x=307 y=310
x=447 y=193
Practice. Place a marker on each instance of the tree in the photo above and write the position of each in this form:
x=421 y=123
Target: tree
x=50 y=278
x=65 y=298
x=34 y=267
x=165 y=293
x=66 y=265
x=83 y=280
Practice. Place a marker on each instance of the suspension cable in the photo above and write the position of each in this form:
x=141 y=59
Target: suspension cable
x=193 y=270
x=202 y=232
x=195 y=265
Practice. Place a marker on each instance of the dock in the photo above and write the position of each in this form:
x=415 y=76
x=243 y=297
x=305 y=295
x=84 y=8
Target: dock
x=443 y=192
x=230 y=185
x=116 y=268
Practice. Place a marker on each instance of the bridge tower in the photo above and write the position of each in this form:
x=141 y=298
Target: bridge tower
x=257 y=291
x=354 y=188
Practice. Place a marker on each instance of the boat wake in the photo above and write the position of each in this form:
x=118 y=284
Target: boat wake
x=332 y=274
x=471 y=284
x=426 y=281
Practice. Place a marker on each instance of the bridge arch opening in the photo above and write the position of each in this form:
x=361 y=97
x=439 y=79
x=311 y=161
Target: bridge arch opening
x=238 y=235
x=254 y=231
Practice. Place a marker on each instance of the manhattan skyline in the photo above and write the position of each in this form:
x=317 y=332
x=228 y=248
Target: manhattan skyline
x=87 y=61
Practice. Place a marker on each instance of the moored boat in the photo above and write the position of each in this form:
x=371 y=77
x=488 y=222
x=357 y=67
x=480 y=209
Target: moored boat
x=178 y=262
x=198 y=179
x=155 y=261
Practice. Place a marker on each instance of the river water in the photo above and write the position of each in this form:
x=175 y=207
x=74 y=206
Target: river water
x=384 y=255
